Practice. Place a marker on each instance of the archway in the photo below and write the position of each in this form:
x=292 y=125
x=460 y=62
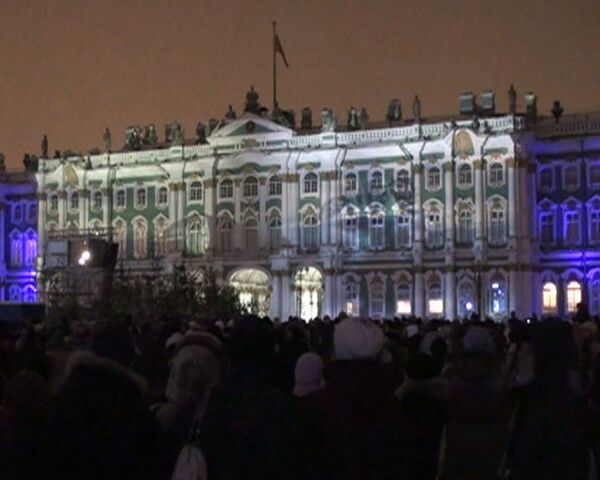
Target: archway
x=308 y=285
x=254 y=292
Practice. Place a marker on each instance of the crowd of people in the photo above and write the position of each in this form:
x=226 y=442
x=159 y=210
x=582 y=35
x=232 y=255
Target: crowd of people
x=342 y=398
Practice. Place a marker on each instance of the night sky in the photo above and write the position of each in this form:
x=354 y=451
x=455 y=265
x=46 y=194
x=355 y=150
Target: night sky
x=69 y=68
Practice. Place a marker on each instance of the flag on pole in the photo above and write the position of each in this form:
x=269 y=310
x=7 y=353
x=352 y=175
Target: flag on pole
x=279 y=49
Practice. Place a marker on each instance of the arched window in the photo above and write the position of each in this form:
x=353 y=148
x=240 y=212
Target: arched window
x=195 y=237
x=434 y=179
x=466 y=299
x=251 y=235
x=140 y=231
x=226 y=188
x=465 y=226
x=376 y=183
x=573 y=296
x=549 y=298
x=465 y=176
x=497 y=225
x=572 y=227
x=74 y=201
x=30 y=249
x=435 y=303
x=29 y=294
x=594 y=221
x=571 y=177
x=498 y=296
x=377 y=298
x=226 y=231
x=16 y=249
x=120 y=238
x=275 y=234
x=377 y=230
x=434 y=231
x=403 y=181
x=163 y=197
x=547 y=228
x=275 y=185
x=310 y=230
x=403 y=300
x=311 y=183
x=403 y=230
x=496 y=174
x=14 y=293
x=53 y=203
x=251 y=187
x=140 y=198
x=97 y=200
x=350 y=237
x=121 y=199
x=350 y=184
x=160 y=237
x=196 y=192
x=351 y=298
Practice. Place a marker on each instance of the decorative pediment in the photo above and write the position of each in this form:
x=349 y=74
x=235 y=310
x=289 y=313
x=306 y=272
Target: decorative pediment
x=71 y=177
x=249 y=129
x=463 y=145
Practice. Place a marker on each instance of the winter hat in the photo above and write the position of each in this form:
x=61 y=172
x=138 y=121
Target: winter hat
x=355 y=339
x=194 y=370
x=308 y=374
x=478 y=340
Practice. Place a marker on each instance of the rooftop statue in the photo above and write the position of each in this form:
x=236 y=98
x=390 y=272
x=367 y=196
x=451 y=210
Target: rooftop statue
x=106 y=137
x=306 y=122
x=252 y=104
x=213 y=124
x=352 y=122
x=475 y=124
x=286 y=118
x=363 y=118
x=44 y=146
x=2 y=164
x=557 y=110
x=512 y=100
x=150 y=136
x=30 y=162
x=416 y=108
x=230 y=115
x=133 y=138
x=174 y=134
x=531 y=109
x=200 y=134
x=394 y=112
x=328 y=121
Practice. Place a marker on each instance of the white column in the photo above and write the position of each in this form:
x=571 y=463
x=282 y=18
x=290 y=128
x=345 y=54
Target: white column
x=449 y=203
x=263 y=231
x=325 y=207
x=338 y=294
x=62 y=208
x=328 y=294
x=41 y=229
x=418 y=213
x=333 y=208
x=479 y=202
x=237 y=228
x=449 y=293
x=419 y=293
x=285 y=200
x=83 y=208
x=106 y=204
x=173 y=217
x=210 y=214
x=293 y=213
x=532 y=191
x=287 y=297
x=513 y=289
x=512 y=198
x=275 y=306
x=181 y=216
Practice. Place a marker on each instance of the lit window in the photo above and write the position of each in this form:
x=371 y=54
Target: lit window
x=350 y=184
x=403 y=303
x=275 y=234
x=498 y=297
x=547 y=228
x=496 y=174
x=573 y=296
x=465 y=227
x=97 y=201
x=196 y=192
x=16 y=250
x=311 y=183
x=434 y=181
x=226 y=189
x=571 y=177
x=465 y=175
x=251 y=187
x=310 y=230
x=466 y=300
x=403 y=181
x=251 y=235
x=376 y=230
x=403 y=230
x=163 y=197
x=376 y=184
x=351 y=230
x=30 y=249
x=546 y=179
x=572 y=228
x=435 y=303
x=497 y=235
x=351 y=298
x=549 y=298
x=377 y=299
x=275 y=185
x=434 y=232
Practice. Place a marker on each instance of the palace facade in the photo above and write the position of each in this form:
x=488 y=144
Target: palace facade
x=487 y=214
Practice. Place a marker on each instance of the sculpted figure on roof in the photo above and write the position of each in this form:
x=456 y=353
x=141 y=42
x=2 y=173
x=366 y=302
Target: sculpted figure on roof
x=328 y=121
x=252 y=104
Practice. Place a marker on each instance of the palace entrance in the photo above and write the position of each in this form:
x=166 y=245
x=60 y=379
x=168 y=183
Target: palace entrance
x=254 y=292
x=308 y=286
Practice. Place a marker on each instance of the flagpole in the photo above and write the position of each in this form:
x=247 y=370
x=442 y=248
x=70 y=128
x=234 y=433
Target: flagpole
x=274 y=67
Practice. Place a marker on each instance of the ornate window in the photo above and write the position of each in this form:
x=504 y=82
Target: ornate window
x=226 y=234
x=351 y=298
x=140 y=198
x=251 y=187
x=377 y=229
x=121 y=199
x=74 y=201
x=466 y=299
x=465 y=175
x=97 y=200
x=573 y=296
x=571 y=177
x=594 y=175
x=226 y=188
x=16 y=249
x=496 y=174
x=162 y=199
x=350 y=184
x=434 y=231
x=251 y=235
x=196 y=192
x=435 y=302
x=120 y=237
x=434 y=179
x=498 y=296
x=32 y=212
x=376 y=182
x=53 y=203
x=465 y=226
x=350 y=234
x=547 y=228
x=572 y=227
x=14 y=293
x=403 y=299
x=275 y=187
x=546 y=179
x=497 y=225
x=275 y=234
x=195 y=240
x=403 y=230
x=30 y=249
x=310 y=233
x=311 y=183
x=549 y=299
x=160 y=236
x=403 y=181
x=377 y=298
x=140 y=231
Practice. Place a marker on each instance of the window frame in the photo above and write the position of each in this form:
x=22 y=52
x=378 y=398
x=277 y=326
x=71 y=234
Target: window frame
x=312 y=183
x=428 y=172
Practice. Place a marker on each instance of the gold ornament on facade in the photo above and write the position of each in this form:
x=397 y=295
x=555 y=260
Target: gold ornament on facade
x=478 y=164
x=418 y=168
x=71 y=177
x=463 y=145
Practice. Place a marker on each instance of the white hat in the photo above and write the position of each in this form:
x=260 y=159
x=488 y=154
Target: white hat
x=355 y=339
